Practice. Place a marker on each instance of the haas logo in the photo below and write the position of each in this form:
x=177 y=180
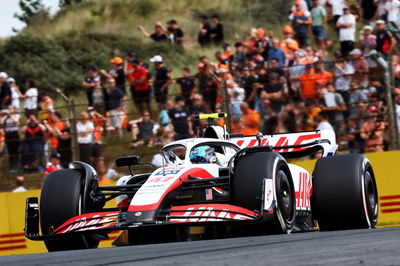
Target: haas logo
x=206 y=214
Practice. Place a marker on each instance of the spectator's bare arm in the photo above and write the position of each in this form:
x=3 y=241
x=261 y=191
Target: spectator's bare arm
x=143 y=31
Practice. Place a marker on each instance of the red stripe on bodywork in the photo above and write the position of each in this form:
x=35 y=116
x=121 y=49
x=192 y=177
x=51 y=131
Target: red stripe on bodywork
x=240 y=143
x=252 y=143
x=302 y=138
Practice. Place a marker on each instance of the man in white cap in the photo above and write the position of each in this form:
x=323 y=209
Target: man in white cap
x=5 y=91
x=367 y=40
x=161 y=82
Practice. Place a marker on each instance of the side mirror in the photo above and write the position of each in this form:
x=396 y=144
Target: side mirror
x=127 y=161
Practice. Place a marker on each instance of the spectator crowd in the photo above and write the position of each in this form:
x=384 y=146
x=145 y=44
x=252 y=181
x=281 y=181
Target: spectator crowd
x=319 y=75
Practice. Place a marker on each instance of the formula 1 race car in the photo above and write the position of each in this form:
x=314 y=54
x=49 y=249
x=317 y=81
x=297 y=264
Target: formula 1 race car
x=225 y=184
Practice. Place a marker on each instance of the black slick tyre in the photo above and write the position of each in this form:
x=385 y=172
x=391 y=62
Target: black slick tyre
x=61 y=199
x=247 y=187
x=345 y=195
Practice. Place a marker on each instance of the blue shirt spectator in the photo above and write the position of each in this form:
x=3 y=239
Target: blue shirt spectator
x=276 y=53
x=116 y=96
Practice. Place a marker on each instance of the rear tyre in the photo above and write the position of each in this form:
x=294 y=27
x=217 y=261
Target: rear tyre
x=247 y=187
x=61 y=199
x=345 y=195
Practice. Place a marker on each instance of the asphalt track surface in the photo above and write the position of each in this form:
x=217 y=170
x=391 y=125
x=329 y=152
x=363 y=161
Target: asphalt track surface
x=355 y=247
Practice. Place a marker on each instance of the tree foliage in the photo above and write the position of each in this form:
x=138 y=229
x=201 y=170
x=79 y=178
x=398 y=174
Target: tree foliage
x=31 y=10
x=64 y=3
x=61 y=62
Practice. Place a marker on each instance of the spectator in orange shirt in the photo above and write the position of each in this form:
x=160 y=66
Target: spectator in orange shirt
x=308 y=83
x=97 y=157
x=323 y=77
x=250 y=120
x=288 y=44
x=54 y=126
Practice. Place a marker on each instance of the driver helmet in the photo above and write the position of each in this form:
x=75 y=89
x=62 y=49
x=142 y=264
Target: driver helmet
x=203 y=154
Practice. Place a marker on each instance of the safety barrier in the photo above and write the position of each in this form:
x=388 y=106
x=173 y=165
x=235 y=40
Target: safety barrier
x=13 y=242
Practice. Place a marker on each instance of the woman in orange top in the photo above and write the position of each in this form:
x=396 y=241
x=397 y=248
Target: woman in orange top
x=54 y=126
x=250 y=120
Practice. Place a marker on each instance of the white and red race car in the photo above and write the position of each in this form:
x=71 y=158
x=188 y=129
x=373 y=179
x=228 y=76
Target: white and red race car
x=228 y=184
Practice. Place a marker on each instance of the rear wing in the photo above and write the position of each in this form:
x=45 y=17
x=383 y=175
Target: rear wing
x=289 y=145
x=293 y=145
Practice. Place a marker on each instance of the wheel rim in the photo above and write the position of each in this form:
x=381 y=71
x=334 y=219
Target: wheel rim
x=285 y=197
x=371 y=197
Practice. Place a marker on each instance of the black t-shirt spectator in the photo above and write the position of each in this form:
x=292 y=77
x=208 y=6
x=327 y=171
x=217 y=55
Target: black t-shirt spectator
x=275 y=105
x=248 y=85
x=179 y=118
x=161 y=77
x=218 y=30
x=187 y=85
x=89 y=90
x=64 y=148
x=206 y=38
x=115 y=98
x=145 y=130
x=120 y=79
x=178 y=33
x=5 y=91
x=159 y=38
x=369 y=9
x=383 y=41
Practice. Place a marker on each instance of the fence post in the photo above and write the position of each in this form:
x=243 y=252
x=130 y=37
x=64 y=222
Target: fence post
x=72 y=119
x=74 y=133
x=226 y=104
x=394 y=136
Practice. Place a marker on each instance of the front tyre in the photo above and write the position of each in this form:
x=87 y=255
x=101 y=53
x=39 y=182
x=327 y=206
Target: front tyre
x=61 y=199
x=345 y=195
x=247 y=187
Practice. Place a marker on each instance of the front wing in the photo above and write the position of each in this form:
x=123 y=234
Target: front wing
x=99 y=222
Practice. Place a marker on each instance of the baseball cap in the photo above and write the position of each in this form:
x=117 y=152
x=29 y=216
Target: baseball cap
x=130 y=54
x=356 y=51
x=297 y=3
x=3 y=75
x=11 y=80
x=135 y=61
x=92 y=68
x=380 y=21
x=367 y=27
x=117 y=60
x=156 y=58
x=287 y=29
